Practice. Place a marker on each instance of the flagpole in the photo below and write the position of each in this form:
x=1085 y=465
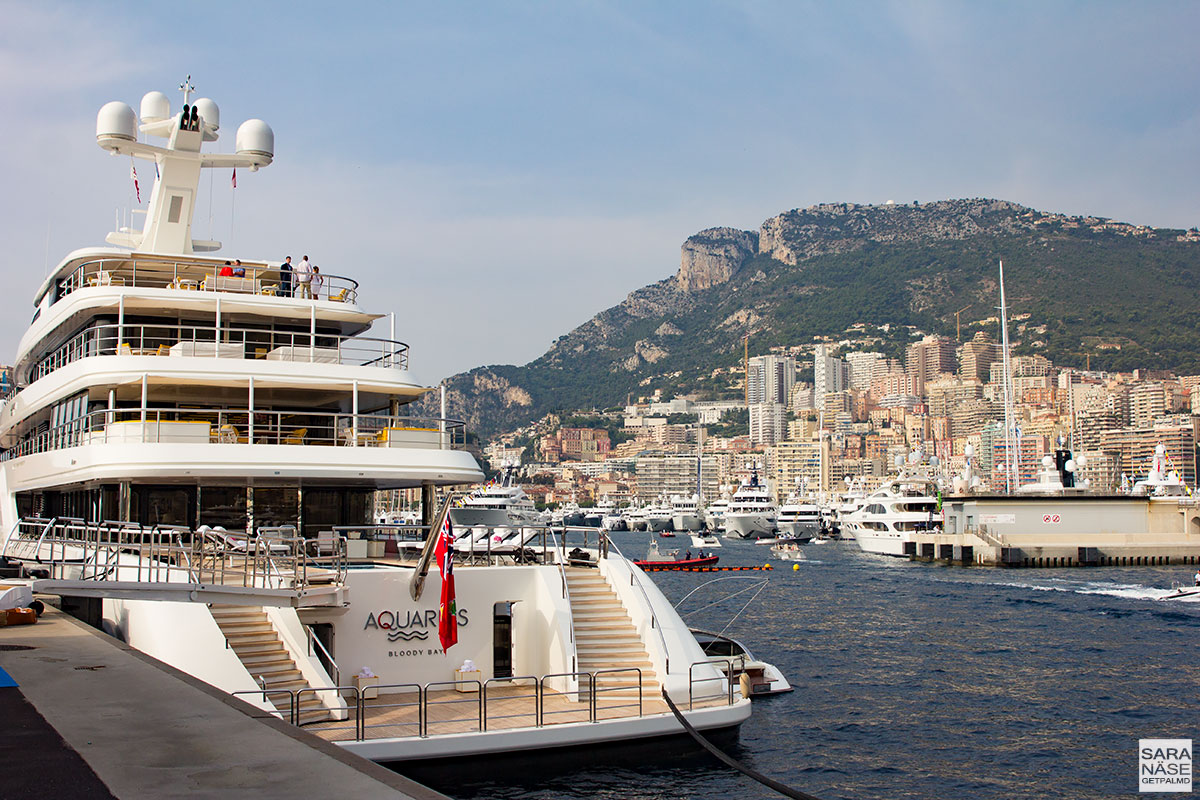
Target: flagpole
x=1010 y=457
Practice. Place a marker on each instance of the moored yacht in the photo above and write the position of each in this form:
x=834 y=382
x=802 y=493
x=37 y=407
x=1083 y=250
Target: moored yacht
x=893 y=514
x=658 y=516
x=714 y=515
x=200 y=449
x=798 y=519
x=499 y=503
x=752 y=512
x=685 y=513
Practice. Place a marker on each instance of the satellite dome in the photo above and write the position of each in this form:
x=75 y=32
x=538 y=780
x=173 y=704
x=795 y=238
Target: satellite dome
x=155 y=107
x=116 y=120
x=208 y=112
x=1047 y=461
x=255 y=137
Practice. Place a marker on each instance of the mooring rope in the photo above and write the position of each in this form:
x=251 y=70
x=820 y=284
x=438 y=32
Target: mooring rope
x=770 y=783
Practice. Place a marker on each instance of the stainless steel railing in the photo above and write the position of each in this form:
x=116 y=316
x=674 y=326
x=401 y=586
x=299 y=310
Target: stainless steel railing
x=198 y=275
x=243 y=426
x=365 y=714
x=72 y=549
x=201 y=341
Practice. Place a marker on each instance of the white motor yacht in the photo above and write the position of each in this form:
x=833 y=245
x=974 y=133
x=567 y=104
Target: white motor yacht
x=200 y=449
x=752 y=512
x=892 y=514
x=685 y=513
x=658 y=516
x=499 y=503
x=714 y=515
x=798 y=519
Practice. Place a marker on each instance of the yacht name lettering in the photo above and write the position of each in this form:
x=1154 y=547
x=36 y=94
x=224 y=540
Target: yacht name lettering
x=402 y=620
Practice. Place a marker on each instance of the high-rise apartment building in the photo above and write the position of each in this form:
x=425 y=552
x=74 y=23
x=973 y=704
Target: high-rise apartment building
x=930 y=357
x=830 y=375
x=978 y=355
x=770 y=379
x=767 y=423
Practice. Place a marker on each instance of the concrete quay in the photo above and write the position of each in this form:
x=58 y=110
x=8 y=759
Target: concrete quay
x=90 y=717
x=1063 y=531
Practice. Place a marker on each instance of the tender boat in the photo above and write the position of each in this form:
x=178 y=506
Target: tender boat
x=755 y=677
x=673 y=559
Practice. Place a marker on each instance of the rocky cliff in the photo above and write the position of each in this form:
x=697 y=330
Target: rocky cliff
x=818 y=271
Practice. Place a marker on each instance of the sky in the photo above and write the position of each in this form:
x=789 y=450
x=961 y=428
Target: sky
x=497 y=173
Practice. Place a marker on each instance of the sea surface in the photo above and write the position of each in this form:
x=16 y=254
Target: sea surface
x=911 y=681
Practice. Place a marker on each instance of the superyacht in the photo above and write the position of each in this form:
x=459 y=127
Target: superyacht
x=752 y=512
x=496 y=504
x=195 y=452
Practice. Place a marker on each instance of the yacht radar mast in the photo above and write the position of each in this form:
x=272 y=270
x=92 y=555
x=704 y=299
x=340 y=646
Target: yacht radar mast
x=168 y=227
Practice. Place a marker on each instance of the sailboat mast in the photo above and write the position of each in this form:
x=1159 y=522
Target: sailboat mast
x=1010 y=457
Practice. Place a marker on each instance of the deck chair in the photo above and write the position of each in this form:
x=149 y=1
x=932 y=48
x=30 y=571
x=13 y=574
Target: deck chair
x=296 y=436
x=227 y=434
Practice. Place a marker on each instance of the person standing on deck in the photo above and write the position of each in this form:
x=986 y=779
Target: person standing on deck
x=303 y=274
x=285 y=277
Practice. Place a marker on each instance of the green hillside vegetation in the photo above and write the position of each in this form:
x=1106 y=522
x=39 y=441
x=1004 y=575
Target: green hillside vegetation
x=1084 y=287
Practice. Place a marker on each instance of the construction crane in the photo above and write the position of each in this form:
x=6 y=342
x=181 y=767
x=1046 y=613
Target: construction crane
x=958 y=323
x=746 y=369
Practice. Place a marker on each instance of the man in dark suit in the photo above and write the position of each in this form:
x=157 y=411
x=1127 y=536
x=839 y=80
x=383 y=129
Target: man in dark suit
x=285 y=277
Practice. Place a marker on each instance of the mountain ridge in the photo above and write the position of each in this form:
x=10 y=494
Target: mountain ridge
x=813 y=272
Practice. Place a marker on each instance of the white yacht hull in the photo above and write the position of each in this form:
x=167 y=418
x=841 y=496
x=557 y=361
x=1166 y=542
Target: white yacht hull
x=467 y=517
x=657 y=524
x=686 y=521
x=799 y=530
x=749 y=526
x=886 y=543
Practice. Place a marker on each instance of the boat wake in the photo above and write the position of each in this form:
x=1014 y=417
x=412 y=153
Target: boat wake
x=1128 y=591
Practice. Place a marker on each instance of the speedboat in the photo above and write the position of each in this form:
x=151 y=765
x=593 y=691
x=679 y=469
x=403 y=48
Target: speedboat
x=200 y=453
x=705 y=539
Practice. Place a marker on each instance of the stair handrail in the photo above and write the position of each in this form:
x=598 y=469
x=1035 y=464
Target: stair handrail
x=312 y=639
x=633 y=581
x=8 y=538
x=417 y=585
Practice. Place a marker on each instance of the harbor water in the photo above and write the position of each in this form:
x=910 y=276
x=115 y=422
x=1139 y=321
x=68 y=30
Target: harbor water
x=911 y=681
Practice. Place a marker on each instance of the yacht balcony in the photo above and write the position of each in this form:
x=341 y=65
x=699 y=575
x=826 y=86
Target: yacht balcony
x=221 y=427
x=226 y=342
x=199 y=275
